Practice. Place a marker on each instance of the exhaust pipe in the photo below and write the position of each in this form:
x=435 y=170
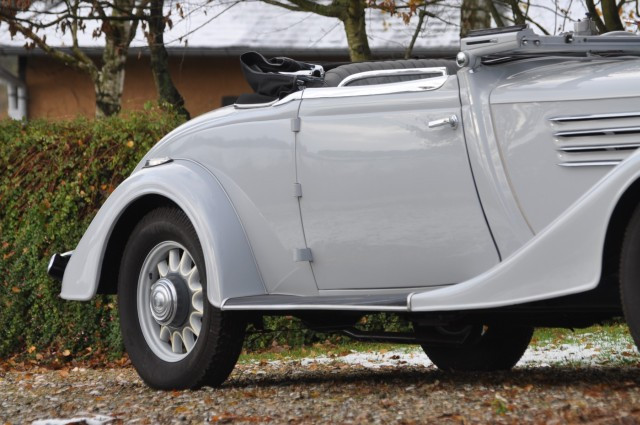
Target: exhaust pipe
x=57 y=264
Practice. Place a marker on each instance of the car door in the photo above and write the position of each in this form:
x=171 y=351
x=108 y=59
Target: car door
x=388 y=202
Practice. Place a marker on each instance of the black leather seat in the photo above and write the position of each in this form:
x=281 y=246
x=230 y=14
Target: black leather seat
x=333 y=77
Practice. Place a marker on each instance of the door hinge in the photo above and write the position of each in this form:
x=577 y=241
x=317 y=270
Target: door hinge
x=295 y=125
x=302 y=254
x=297 y=190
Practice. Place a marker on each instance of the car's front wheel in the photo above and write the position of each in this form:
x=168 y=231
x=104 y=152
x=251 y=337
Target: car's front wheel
x=175 y=338
x=490 y=348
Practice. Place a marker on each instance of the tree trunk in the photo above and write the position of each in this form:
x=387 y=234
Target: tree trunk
x=518 y=16
x=109 y=80
x=168 y=94
x=473 y=16
x=354 y=26
x=611 y=16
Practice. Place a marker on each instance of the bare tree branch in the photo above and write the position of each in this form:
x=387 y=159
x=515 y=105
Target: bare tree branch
x=421 y=15
x=494 y=13
x=55 y=53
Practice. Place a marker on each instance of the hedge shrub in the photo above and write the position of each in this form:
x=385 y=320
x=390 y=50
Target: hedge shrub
x=54 y=177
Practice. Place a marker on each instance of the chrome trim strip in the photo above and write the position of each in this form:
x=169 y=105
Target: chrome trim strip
x=590 y=163
x=154 y=162
x=598 y=132
x=254 y=105
x=349 y=307
x=587 y=148
x=397 y=72
x=290 y=98
x=426 y=84
x=596 y=117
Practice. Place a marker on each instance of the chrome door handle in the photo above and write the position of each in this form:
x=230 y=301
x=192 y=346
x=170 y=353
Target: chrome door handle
x=451 y=120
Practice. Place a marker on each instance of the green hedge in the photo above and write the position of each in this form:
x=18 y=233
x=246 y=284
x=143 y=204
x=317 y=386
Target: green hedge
x=54 y=177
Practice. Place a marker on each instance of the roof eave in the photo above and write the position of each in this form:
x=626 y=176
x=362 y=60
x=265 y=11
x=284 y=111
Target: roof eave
x=234 y=51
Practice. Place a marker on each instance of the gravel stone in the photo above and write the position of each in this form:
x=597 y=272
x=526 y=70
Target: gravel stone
x=294 y=392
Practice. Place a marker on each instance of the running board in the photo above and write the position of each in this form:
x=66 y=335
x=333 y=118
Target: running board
x=387 y=302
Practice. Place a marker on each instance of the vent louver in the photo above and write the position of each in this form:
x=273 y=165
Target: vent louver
x=596 y=140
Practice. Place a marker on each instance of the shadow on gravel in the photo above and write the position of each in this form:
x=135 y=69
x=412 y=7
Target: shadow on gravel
x=614 y=377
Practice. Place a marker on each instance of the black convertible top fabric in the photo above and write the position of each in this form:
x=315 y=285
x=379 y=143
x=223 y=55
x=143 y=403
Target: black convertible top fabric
x=263 y=75
x=335 y=76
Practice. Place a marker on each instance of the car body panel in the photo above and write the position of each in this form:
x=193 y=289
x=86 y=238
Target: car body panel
x=547 y=171
x=564 y=258
x=559 y=80
x=251 y=153
x=387 y=201
x=212 y=215
x=508 y=226
x=546 y=177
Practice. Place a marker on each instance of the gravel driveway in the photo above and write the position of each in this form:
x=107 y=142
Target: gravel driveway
x=392 y=388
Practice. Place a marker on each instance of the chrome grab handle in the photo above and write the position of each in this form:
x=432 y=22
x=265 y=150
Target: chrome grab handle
x=451 y=120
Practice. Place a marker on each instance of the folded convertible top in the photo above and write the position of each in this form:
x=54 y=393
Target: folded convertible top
x=278 y=77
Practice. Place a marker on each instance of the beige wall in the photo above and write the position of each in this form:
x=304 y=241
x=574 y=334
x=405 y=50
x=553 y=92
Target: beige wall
x=57 y=91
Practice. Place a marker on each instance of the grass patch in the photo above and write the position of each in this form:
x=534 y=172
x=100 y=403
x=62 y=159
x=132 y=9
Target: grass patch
x=614 y=332
x=613 y=340
x=320 y=349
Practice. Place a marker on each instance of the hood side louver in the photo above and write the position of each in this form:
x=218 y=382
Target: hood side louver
x=597 y=139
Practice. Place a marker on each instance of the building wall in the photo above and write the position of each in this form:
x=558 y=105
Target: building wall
x=57 y=91
x=10 y=64
x=4 y=101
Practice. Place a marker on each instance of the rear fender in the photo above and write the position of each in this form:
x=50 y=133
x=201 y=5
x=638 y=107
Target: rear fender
x=565 y=258
x=230 y=265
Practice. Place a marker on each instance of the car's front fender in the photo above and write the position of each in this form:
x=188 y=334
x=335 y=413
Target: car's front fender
x=230 y=265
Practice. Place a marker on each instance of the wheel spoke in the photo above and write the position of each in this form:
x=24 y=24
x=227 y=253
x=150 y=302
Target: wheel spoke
x=195 y=321
x=197 y=302
x=176 y=343
x=163 y=268
x=169 y=278
x=189 y=338
x=185 y=264
x=194 y=280
x=165 y=334
x=174 y=260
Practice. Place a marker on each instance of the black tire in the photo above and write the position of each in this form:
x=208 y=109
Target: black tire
x=219 y=342
x=495 y=348
x=630 y=276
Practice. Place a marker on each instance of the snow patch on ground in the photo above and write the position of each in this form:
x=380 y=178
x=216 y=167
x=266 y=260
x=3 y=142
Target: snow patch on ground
x=579 y=351
x=96 y=420
x=583 y=351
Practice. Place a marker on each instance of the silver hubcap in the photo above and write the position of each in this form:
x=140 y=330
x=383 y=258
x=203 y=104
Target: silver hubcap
x=163 y=301
x=170 y=301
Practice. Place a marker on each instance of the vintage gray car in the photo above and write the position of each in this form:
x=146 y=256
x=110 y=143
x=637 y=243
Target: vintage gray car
x=478 y=199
